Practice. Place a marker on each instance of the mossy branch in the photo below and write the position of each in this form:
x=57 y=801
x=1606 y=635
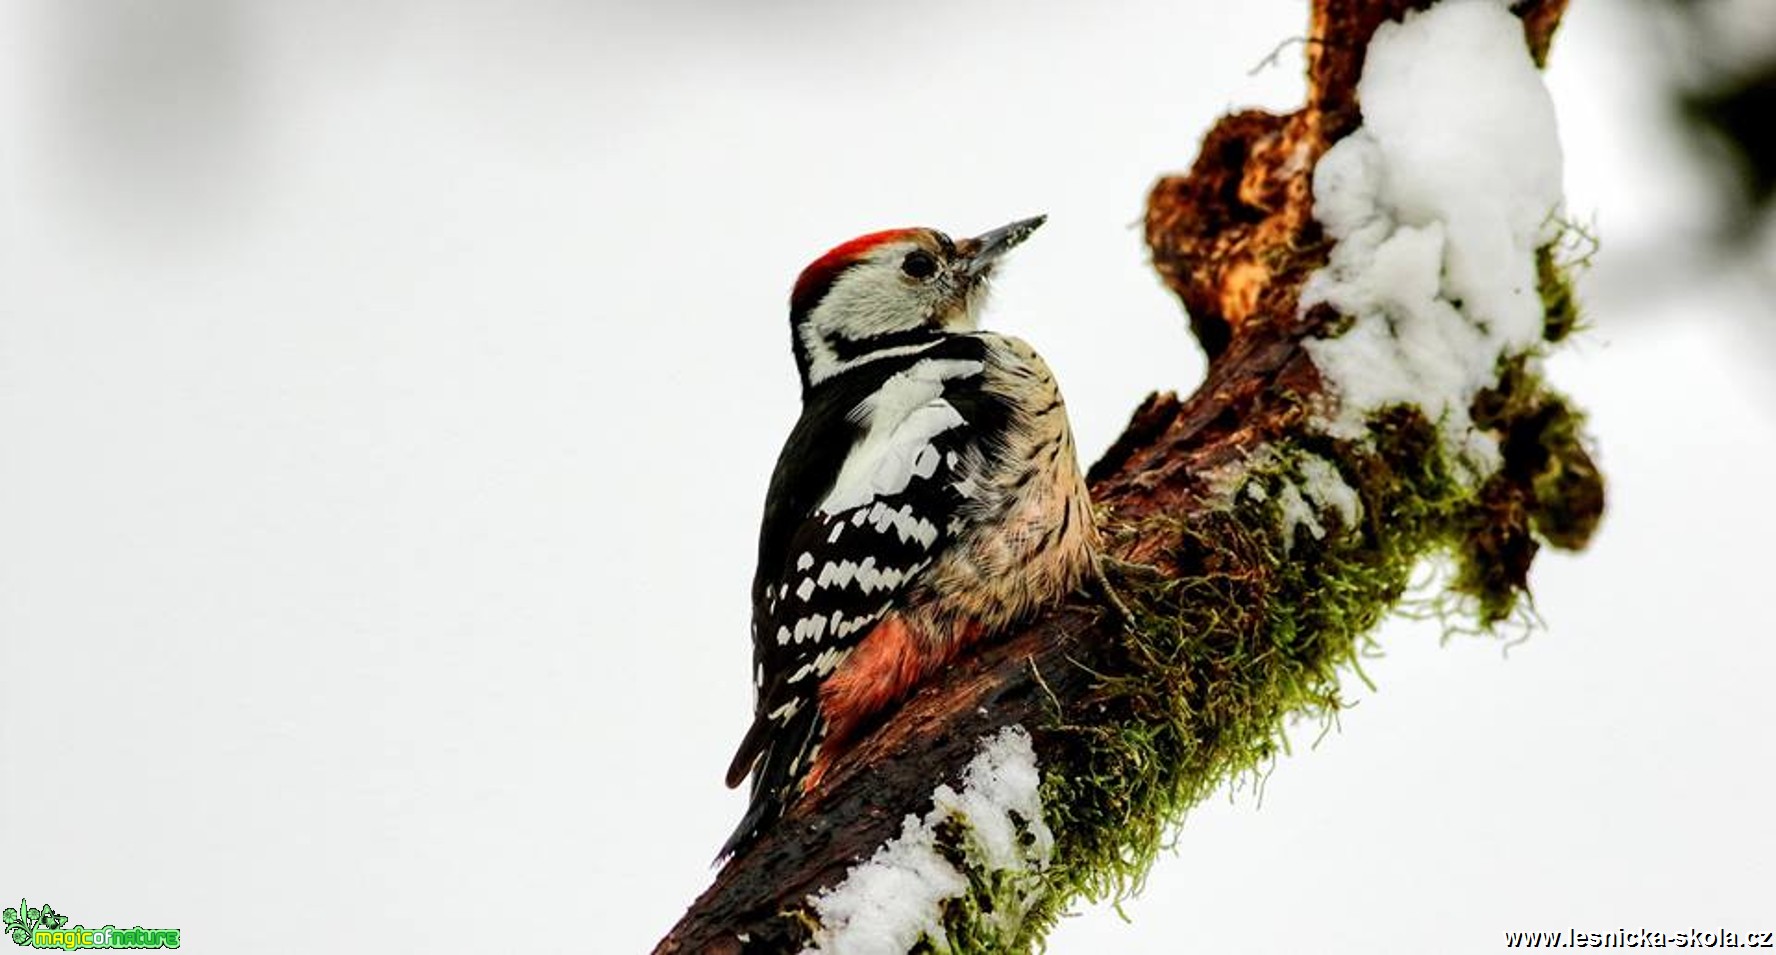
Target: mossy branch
x=1247 y=596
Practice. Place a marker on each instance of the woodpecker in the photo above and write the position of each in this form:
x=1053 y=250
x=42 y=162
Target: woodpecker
x=928 y=496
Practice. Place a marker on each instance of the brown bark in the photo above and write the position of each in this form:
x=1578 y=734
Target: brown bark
x=1234 y=238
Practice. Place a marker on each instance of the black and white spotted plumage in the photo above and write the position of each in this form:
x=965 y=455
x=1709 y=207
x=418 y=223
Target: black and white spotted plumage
x=891 y=486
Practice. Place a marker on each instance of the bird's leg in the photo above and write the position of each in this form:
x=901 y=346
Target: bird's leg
x=1102 y=583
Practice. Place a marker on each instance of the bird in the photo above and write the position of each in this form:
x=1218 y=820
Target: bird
x=928 y=497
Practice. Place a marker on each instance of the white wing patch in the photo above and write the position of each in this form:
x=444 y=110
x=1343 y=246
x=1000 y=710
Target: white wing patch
x=865 y=574
x=820 y=666
x=899 y=422
x=809 y=628
x=905 y=523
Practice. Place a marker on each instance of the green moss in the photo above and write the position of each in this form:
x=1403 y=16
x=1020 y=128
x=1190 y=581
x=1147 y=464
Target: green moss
x=1546 y=489
x=1240 y=641
x=1556 y=289
x=1252 y=633
x=1571 y=251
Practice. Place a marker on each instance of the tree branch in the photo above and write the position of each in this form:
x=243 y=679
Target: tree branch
x=1243 y=614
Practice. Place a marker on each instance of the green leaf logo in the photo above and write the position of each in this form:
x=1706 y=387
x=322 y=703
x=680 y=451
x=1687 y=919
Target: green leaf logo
x=22 y=922
x=19 y=923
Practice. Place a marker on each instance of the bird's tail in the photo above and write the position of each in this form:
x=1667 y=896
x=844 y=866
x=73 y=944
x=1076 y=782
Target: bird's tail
x=785 y=755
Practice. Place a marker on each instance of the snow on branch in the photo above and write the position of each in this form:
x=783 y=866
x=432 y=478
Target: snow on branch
x=993 y=828
x=1437 y=204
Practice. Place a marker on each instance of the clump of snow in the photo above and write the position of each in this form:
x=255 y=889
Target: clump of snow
x=1304 y=499
x=1325 y=487
x=887 y=904
x=1296 y=512
x=1315 y=492
x=1437 y=205
x=1000 y=782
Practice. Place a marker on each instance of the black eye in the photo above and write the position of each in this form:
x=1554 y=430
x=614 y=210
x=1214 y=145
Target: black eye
x=919 y=264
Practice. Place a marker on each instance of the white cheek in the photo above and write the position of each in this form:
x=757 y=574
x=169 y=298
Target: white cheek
x=870 y=301
x=876 y=299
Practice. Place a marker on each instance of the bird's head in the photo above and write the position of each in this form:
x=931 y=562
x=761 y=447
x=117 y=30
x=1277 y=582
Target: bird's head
x=898 y=289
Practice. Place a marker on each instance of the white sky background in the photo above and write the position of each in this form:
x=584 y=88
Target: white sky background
x=388 y=393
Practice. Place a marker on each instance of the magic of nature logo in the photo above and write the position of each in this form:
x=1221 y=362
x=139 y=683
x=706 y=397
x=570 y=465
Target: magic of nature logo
x=40 y=926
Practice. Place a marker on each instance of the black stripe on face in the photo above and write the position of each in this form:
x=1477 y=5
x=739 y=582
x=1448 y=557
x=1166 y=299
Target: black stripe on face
x=847 y=349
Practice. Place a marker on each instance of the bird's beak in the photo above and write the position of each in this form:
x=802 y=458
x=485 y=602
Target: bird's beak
x=985 y=249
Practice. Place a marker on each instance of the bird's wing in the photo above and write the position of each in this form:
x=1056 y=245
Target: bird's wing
x=865 y=496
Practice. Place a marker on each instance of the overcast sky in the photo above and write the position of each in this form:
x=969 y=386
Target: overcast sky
x=388 y=392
